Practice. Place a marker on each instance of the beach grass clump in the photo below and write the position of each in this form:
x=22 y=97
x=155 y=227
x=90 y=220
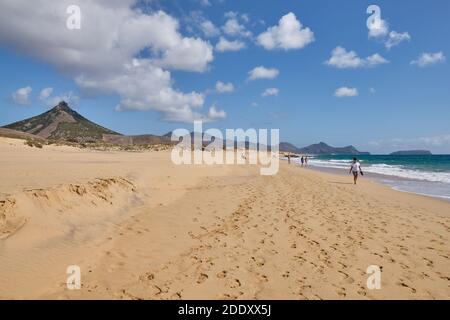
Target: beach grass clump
x=33 y=143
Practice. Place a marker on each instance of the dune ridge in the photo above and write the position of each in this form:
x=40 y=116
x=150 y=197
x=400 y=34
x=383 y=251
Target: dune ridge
x=14 y=209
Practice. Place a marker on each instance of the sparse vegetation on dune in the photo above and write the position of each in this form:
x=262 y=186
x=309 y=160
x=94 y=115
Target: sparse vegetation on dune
x=33 y=143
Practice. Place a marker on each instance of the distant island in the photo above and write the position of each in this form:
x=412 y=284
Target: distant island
x=321 y=148
x=411 y=153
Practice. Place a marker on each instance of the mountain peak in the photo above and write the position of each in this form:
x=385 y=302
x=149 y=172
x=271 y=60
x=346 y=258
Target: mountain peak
x=63 y=106
x=62 y=123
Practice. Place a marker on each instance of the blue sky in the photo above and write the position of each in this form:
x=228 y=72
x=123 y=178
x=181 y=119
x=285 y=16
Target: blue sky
x=399 y=98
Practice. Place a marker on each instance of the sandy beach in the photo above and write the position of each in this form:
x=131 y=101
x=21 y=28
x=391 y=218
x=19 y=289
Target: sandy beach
x=141 y=227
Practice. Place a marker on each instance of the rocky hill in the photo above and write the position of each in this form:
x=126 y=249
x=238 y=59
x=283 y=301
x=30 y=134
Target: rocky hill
x=62 y=123
x=321 y=148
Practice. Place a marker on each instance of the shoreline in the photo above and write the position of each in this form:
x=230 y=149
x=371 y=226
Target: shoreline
x=387 y=180
x=211 y=232
x=382 y=179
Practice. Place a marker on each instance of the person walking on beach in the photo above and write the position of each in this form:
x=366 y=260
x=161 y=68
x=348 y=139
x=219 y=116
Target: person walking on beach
x=306 y=160
x=302 y=160
x=355 y=169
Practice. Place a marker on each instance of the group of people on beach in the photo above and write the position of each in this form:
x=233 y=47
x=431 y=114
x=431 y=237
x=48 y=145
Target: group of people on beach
x=355 y=168
x=304 y=160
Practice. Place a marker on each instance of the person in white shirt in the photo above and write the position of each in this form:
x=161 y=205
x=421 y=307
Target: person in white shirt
x=355 y=169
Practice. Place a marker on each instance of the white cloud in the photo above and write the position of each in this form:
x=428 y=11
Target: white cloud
x=225 y=45
x=379 y=28
x=231 y=15
x=270 y=92
x=222 y=87
x=288 y=34
x=263 y=73
x=198 y=21
x=69 y=97
x=395 y=38
x=245 y=17
x=45 y=93
x=209 y=29
x=204 y=3
x=144 y=86
x=372 y=90
x=428 y=59
x=190 y=55
x=232 y=27
x=375 y=60
x=343 y=59
x=254 y=104
x=340 y=58
x=346 y=92
x=21 y=96
x=101 y=56
x=215 y=114
x=46 y=97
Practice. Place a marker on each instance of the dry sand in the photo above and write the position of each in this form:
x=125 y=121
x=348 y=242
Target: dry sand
x=142 y=228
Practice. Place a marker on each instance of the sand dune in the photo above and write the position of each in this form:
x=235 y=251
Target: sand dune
x=142 y=228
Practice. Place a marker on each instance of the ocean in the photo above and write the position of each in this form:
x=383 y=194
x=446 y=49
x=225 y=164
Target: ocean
x=427 y=175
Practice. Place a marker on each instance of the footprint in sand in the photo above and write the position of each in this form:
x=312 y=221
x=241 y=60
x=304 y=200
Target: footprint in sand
x=235 y=284
x=260 y=261
x=202 y=278
x=146 y=277
x=222 y=274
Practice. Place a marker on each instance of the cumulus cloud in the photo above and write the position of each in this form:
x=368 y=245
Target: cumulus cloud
x=263 y=73
x=225 y=45
x=375 y=60
x=206 y=27
x=21 y=96
x=379 y=29
x=428 y=59
x=119 y=50
x=45 y=93
x=68 y=97
x=215 y=114
x=395 y=38
x=346 y=92
x=209 y=29
x=233 y=27
x=231 y=15
x=270 y=92
x=288 y=34
x=343 y=59
x=222 y=87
